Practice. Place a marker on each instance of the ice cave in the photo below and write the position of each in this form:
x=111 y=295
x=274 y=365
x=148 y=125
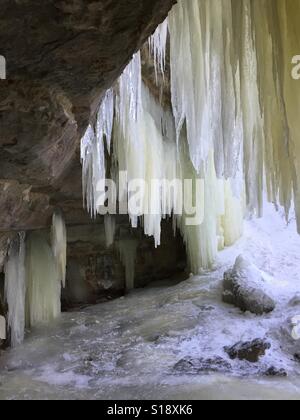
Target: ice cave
x=150 y=200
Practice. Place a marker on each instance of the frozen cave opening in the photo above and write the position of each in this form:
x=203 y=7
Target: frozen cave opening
x=99 y=269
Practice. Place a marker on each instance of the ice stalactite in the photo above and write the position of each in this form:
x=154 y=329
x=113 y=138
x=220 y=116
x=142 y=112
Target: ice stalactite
x=93 y=154
x=277 y=29
x=151 y=156
x=89 y=158
x=34 y=273
x=128 y=253
x=2 y=328
x=110 y=229
x=205 y=82
x=15 y=288
x=43 y=294
x=128 y=101
x=221 y=213
x=158 y=47
x=233 y=59
x=105 y=119
x=59 y=245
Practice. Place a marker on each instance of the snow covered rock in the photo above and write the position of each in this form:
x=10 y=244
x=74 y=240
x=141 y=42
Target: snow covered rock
x=194 y=366
x=295 y=301
x=244 y=288
x=276 y=372
x=250 y=351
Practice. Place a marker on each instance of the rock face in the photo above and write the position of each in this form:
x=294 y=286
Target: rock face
x=250 y=351
x=244 y=288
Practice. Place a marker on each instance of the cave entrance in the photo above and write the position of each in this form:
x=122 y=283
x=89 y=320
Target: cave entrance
x=97 y=272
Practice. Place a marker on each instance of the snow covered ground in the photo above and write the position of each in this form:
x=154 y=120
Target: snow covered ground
x=127 y=348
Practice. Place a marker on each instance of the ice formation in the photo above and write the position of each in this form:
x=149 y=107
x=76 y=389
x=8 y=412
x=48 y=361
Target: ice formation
x=110 y=229
x=233 y=123
x=93 y=154
x=15 y=288
x=145 y=148
x=2 y=328
x=59 y=245
x=158 y=46
x=43 y=281
x=232 y=86
x=128 y=252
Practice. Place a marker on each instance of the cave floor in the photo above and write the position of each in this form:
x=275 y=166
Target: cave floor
x=127 y=348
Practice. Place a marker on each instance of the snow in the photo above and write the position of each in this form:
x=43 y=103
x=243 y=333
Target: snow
x=127 y=348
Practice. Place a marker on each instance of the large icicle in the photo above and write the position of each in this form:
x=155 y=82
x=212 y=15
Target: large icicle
x=158 y=47
x=43 y=293
x=128 y=252
x=93 y=154
x=110 y=229
x=59 y=244
x=15 y=288
x=2 y=328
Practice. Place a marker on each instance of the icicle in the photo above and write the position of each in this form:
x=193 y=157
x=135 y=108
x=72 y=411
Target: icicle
x=129 y=98
x=2 y=328
x=110 y=229
x=105 y=119
x=88 y=156
x=43 y=282
x=128 y=252
x=158 y=46
x=93 y=155
x=59 y=245
x=15 y=289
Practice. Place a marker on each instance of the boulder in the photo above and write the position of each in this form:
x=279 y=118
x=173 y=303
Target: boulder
x=295 y=301
x=276 y=372
x=244 y=287
x=194 y=366
x=250 y=351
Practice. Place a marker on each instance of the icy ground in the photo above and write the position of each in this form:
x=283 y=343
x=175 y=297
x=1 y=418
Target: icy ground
x=126 y=349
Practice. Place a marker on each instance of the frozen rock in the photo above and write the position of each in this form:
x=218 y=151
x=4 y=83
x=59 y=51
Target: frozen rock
x=244 y=288
x=195 y=366
x=297 y=357
x=295 y=301
x=276 y=372
x=250 y=351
